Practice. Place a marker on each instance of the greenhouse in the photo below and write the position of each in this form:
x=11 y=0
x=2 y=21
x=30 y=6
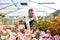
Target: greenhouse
x=29 y=20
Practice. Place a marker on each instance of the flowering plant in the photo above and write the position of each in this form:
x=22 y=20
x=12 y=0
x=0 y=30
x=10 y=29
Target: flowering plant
x=42 y=24
x=55 y=27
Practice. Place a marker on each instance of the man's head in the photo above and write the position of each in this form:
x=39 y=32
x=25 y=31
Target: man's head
x=31 y=13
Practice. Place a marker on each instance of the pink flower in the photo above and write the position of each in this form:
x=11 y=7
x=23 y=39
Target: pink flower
x=1 y=30
x=12 y=37
x=37 y=30
x=45 y=35
x=18 y=28
x=29 y=38
x=42 y=33
x=49 y=35
x=41 y=38
x=7 y=27
x=31 y=31
x=27 y=31
x=21 y=27
x=24 y=37
x=49 y=39
x=20 y=34
x=34 y=33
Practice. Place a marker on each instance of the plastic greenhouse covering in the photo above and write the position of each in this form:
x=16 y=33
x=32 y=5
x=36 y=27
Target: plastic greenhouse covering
x=41 y=8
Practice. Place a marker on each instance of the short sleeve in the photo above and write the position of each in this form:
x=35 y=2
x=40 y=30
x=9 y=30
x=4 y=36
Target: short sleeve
x=27 y=20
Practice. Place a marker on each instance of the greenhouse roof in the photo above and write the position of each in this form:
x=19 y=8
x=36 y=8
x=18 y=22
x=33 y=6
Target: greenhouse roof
x=41 y=8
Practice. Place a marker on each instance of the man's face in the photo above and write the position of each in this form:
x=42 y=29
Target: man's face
x=31 y=14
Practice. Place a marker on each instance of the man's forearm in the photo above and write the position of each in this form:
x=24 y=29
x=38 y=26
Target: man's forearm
x=28 y=26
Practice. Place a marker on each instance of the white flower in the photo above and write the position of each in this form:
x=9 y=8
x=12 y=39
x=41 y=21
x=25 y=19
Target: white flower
x=33 y=35
x=4 y=31
x=8 y=30
x=14 y=33
x=7 y=36
x=22 y=39
x=34 y=39
x=12 y=37
x=48 y=31
x=2 y=37
x=46 y=35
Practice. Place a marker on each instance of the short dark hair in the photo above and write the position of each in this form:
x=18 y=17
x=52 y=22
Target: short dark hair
x=30 y=10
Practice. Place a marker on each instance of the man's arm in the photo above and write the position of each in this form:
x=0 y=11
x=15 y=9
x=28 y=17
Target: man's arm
x=28 y=26
x=27 y=23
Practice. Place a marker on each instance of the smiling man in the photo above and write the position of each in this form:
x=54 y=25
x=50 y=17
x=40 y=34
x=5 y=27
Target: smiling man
x=30 y=19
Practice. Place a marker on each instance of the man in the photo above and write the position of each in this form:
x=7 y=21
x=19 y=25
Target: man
x=31 y=17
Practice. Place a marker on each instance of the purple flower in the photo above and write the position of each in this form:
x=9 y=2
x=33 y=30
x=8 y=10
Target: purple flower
x=56 y=37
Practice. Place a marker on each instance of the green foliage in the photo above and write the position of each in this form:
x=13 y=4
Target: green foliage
x=1 y=34
x=34 y=27
x=16 y=25
x=14 y=30
x=42 y=24
x=37 y=35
